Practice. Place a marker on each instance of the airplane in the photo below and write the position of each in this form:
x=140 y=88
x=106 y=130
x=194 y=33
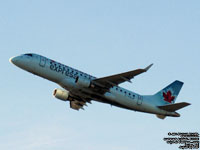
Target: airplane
x=79 y=88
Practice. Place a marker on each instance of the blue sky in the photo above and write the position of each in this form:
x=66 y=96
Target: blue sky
x=101 y=38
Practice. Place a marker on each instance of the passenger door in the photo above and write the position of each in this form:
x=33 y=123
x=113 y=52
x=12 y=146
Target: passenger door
x=139 y=100
x=42 y=61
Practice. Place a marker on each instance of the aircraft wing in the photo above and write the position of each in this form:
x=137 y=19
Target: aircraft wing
x=114 y=80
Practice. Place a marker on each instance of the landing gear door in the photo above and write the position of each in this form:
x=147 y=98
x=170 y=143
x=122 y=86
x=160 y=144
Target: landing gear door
x=42 y=61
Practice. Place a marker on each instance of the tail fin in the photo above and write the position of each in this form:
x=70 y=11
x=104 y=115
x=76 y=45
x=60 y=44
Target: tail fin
x=169 y=94
x=166 y=98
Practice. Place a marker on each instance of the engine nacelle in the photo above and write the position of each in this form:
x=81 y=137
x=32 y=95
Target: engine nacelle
x=83 y=82
x=61 y=94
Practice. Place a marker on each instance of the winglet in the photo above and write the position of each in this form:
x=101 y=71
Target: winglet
x=147 y=68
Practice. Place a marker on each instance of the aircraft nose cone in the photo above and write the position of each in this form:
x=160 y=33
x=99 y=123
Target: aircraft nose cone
x=13 y=60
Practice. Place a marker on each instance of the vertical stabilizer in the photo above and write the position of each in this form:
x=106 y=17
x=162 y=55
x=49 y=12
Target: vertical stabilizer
x=168 y=95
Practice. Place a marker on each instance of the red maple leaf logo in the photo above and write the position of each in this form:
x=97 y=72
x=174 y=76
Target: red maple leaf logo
x=168 y=96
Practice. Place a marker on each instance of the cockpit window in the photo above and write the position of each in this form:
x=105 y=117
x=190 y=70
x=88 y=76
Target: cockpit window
x=29 y=55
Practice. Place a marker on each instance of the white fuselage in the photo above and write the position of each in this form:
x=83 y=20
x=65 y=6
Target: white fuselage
x=66 y=76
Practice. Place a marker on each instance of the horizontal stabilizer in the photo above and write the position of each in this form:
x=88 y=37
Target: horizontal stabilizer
x=174 y=107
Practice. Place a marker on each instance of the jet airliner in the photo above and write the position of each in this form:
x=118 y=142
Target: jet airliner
x=79 y=88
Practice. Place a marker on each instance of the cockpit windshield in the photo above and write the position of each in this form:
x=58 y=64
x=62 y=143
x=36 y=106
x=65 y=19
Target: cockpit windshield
x=31 y=55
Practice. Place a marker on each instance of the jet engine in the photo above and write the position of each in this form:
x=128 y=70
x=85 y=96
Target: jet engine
x=83 y=82
x=61 y=94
